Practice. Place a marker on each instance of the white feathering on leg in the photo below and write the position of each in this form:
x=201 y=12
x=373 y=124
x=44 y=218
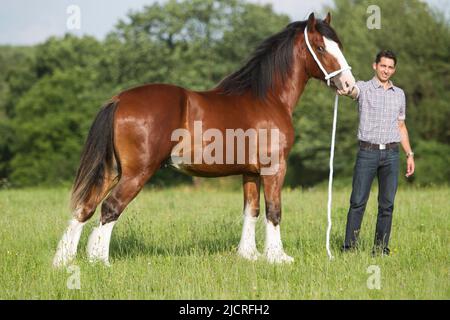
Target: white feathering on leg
x=247 y=246
x=98 y=244
x=67 y=247
x=274 y=248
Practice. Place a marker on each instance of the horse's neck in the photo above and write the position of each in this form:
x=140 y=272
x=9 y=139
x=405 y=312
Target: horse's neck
x=290 y=90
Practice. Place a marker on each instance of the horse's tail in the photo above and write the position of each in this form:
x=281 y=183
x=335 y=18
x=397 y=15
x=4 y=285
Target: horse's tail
x=97 y=158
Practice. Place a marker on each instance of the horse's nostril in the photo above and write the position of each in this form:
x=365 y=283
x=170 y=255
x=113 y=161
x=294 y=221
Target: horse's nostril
x=346 y=84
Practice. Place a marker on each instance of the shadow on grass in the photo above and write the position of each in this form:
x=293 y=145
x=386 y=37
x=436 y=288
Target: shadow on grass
x=364 y=246
x=336 y=242
x=132 y=244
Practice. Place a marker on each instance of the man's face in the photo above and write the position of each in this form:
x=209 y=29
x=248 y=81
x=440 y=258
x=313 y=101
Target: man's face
x=385 y=69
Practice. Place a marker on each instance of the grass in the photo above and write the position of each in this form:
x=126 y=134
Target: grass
x=181 y=244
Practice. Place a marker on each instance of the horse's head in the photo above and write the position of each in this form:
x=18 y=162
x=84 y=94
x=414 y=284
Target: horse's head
x=329 y=61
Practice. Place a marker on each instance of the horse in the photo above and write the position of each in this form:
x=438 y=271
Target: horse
x=132 y=137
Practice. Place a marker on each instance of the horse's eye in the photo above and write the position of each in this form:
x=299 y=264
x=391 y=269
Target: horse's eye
x=321 y=49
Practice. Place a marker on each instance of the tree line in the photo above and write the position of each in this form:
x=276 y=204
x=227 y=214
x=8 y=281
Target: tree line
x=50 y=92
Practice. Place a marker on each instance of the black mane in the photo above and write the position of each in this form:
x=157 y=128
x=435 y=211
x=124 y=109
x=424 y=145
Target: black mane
x=273 y=57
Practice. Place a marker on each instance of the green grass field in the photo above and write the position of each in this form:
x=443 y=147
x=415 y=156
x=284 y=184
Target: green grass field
x=181 y=244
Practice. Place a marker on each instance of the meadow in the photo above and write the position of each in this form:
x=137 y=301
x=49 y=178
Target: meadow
x=180 y=243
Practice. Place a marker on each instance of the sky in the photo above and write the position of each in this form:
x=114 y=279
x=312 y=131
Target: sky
x=28 y=22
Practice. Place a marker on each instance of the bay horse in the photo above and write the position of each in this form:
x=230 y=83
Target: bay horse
x=131 y=137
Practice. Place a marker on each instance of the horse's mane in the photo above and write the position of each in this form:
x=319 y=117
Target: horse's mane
x=272 y=58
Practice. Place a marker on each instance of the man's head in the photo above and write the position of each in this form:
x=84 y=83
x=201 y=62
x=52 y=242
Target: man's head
x=384 y=65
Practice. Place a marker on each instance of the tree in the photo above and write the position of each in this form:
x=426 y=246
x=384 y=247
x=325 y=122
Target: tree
x=50 y=93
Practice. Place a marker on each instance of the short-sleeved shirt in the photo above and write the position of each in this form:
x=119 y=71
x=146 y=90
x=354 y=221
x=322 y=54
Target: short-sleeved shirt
x=379 y=112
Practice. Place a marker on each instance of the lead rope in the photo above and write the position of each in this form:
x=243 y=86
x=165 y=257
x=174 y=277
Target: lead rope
x=330 y=180
x=328 y=77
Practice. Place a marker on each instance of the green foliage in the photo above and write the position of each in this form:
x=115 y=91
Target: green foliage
x=14 y=80
x=50 y=93
x=192 y=43
x=63 y=54
x=52 y=119
x=432 y=163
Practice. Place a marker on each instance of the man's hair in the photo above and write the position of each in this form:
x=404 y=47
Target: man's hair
x=386 y=54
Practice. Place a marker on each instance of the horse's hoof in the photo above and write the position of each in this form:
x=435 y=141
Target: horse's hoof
x=59 y=262
x=249 y=253
x=278 y=257
x=99 y=261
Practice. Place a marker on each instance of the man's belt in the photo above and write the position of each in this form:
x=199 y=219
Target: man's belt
x=374 y=146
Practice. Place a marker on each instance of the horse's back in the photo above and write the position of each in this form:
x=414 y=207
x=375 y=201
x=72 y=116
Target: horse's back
x=153 y=98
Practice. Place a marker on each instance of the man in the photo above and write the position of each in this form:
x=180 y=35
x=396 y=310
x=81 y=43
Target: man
x=381 y=128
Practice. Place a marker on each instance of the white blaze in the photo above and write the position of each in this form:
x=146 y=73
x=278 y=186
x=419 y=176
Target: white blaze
x=345 y=77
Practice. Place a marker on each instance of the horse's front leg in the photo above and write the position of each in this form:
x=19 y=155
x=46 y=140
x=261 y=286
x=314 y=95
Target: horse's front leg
x=273 y=249
x=247 y=246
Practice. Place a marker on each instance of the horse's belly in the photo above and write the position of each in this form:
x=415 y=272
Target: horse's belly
x=213 y=170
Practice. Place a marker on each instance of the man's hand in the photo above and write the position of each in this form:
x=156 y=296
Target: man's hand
x=352 y=92
x=410 y=167
x=344 y=92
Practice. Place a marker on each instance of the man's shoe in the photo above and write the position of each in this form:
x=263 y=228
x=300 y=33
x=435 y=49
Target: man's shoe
x=384 y=252
x=345 y=248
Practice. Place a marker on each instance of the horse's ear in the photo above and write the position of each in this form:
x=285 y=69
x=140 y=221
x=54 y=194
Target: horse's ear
x=327 y=20
x=311 y=22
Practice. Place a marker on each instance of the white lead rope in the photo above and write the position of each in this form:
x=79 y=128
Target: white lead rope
x=328 y=77
x=330 y=180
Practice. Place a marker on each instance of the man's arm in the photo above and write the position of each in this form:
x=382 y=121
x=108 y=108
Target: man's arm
x=410 y=165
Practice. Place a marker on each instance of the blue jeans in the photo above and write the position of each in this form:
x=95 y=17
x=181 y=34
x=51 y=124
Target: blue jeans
x=371 y=163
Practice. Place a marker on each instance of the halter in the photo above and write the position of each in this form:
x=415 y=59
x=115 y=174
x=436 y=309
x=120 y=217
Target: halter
x=327 y=75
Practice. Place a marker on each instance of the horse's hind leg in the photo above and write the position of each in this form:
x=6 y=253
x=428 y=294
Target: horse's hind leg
x=121 y=195
x=67 y=247
x=247 y=246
